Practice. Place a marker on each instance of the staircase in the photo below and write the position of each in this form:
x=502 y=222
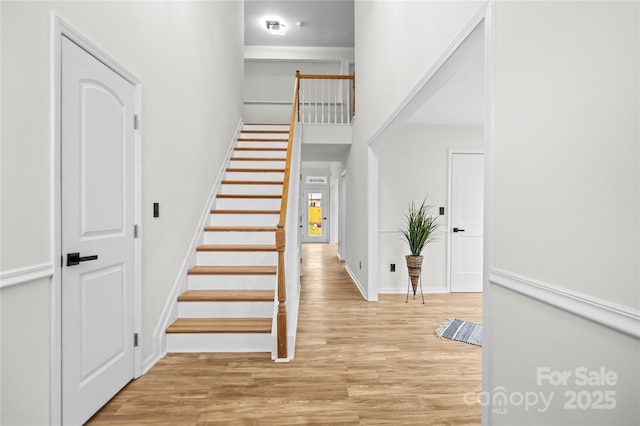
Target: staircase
x=229 y=305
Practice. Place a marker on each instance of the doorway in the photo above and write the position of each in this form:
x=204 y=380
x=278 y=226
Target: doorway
x=315 y=214
x=342 y=221
x=96 y=173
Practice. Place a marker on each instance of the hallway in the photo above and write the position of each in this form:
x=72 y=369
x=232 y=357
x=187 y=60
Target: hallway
x=356 y=363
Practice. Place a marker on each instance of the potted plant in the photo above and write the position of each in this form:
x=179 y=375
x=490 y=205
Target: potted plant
x=420 y=229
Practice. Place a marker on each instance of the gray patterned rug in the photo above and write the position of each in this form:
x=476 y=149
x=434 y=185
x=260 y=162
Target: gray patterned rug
x=462 y=331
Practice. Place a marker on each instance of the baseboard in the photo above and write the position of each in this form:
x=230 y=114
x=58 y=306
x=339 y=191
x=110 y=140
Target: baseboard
x=169 y=311
x=616 y=317
x=425 y=290
x=151 y=360
x=26 y=274
x=356 y=282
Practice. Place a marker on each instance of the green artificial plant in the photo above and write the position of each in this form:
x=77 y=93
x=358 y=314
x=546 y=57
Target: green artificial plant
x=420 y=227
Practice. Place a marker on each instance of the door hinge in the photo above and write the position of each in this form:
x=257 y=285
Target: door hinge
x=135 y=122
x=135 y=231
x=135 y=340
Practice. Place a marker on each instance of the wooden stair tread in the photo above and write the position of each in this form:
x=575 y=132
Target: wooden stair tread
x=227 y=296
x=240 y=229
x=252 y=182
x=236 y=247
x=251 y=148
x=233 y=270
x=257 y=159
x=240 y=211
x=266 y=124
x=270 y=196
x=263 y=131
x=250 y=170
x=220 y=325
x=263 y=139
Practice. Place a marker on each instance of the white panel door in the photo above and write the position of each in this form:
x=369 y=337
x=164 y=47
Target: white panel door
x=467 y=199
x=98 y=186
x=315 y=214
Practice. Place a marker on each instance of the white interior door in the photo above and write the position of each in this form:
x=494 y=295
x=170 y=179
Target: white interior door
x=467 y=199
x=98 y=195
x=315 y=214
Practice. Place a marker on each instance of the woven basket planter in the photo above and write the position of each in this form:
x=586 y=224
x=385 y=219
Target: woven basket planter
x=414 y=265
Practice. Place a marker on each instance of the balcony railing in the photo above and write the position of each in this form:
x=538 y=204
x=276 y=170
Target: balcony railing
x=326 y=99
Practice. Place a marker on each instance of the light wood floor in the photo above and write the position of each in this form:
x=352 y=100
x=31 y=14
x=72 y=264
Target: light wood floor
x=357 y=363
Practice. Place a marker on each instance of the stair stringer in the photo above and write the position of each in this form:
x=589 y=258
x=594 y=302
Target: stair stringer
x=170 y=309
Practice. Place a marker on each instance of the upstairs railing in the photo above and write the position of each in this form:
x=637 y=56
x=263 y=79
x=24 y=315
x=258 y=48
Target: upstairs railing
x=326 y=99
x=329 y=110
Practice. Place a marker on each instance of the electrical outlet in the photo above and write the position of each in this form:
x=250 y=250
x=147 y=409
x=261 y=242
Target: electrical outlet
x=360 y=264
x=156 y=209
x=441 y=211
x=392 y=268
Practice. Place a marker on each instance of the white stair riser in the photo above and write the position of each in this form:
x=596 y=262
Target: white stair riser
x=260 y=154
x=232 y=282
x=265 y=127
x=246 y=135
x=244 y=219
x=213 y=258
x=228 y=237
x=251 y=189
x=262 y=144
x=248 y=203
x=262 y=176
x=222 y=342
x=257 y=164
x=225 y=309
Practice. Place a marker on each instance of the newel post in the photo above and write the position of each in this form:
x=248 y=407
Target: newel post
x=282 y=294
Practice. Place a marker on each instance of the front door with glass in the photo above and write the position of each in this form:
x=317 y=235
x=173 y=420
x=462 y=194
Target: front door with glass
x=315 y=216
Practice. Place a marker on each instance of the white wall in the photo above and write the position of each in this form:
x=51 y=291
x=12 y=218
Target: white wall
x=273 y=80
x=566 y=206
x=414 y=164
x=191 y=107
x=313 y=168
x=24 y=361
x=398 y=42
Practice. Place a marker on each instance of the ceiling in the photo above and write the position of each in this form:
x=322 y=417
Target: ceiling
x=326 y=23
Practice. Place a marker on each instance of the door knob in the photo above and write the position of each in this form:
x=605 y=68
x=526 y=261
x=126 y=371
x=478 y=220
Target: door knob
x=75 y=259
x=458 y=230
